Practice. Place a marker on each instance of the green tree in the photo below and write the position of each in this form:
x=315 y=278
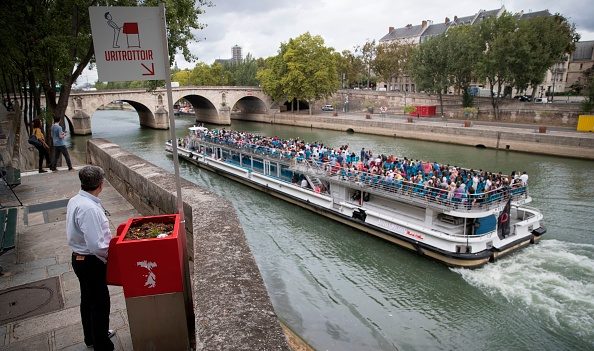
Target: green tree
x=462 y=48
x=311 y=69
x=498 y=37
x=367 y=53
x=56 y=38
x=352 y=67
x=588 y=90
x=202 y=75
x=182 y=76
x=391 y=60
x=242 y=73
x=541 y=42
x=430 y=67
x=271 y=74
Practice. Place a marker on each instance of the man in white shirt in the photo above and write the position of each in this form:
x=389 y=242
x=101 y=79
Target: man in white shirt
x=88 y=234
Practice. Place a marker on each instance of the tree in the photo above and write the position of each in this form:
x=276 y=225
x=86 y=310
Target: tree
x=352 y=67
x=542 y=42
x=391 y=60
x=304 y=69
x=311 y=69
x=368 y=52
x=462 y=48
x=271 y=74
x=430 y=67
x=498 y=39
x=588 y=89
x=56 y=39
x=182 y=76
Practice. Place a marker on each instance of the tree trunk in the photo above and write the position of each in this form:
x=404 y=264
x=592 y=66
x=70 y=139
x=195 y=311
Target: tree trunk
x=440 y=102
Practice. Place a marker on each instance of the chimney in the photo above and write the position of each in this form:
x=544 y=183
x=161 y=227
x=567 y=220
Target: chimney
x=423 y=24
x=447 y=20
x=409 y=25
x=390 y=29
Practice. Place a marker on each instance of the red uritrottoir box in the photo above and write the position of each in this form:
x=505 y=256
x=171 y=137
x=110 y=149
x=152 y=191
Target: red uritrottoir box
x=146 y=266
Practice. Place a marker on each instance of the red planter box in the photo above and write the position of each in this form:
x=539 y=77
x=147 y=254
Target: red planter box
x=146 y=266
x=424 y=111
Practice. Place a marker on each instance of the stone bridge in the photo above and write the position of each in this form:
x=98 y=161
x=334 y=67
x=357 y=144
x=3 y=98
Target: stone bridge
x=211 y=105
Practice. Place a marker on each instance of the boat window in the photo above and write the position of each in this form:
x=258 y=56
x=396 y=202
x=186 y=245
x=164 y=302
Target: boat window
x=273 y=169
x=258 y=165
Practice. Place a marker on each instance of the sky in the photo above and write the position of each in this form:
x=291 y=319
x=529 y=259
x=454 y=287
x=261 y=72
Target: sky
x=260 y=26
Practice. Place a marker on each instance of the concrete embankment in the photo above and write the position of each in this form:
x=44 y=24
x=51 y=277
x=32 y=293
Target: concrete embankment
x=495 y=136
x=231 y=305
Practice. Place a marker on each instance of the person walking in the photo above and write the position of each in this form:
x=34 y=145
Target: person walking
x=88 y=235
x=42 y=146
x=58 y=135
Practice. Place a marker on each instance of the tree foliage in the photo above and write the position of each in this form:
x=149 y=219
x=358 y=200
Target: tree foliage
x=391 y=60
x=368 y=52
x=352 y=67
x=430 y=67
x=304 y=69
x=55 y=40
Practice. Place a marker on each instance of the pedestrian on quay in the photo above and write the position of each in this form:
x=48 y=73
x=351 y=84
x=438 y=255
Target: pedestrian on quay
x=58 y=136
x=88 y=234
x=41 y=145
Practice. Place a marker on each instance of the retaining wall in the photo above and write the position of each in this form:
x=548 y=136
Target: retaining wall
x=232 y=307
x=496 y=138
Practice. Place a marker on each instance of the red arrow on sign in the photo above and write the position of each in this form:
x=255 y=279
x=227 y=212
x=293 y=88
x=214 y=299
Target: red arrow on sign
x=151 y=71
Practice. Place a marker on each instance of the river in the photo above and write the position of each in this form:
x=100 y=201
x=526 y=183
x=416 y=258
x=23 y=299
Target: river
x=341 y=289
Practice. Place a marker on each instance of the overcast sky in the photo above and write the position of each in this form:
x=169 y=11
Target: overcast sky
x=259 y=26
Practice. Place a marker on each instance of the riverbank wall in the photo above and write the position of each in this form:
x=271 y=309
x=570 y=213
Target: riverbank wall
x=564 y=112
x=557 y=143
x=231 y=305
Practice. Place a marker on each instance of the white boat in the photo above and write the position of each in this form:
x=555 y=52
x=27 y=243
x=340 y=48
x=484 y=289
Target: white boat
x=467 y=232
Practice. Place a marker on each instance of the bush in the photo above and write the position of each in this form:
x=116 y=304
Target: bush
x=409 y=109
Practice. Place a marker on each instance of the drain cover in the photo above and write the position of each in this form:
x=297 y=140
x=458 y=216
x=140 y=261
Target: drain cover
x=29 y=300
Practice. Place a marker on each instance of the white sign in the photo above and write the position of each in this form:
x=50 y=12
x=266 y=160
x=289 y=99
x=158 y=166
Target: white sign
x=128 y=43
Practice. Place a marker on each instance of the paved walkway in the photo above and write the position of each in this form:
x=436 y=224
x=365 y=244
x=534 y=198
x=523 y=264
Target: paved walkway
x=41 y=252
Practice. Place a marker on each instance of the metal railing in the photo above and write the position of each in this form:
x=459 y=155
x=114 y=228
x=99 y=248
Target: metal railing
x=401 y=190
x=415 y=193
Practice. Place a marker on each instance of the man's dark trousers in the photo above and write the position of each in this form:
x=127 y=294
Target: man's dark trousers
x=94 y=300
x=61 y=150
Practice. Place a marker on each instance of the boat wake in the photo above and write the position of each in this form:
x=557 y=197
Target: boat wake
x=553 y=281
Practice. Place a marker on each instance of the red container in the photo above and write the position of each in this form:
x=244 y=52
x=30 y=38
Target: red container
x=146 y=266
x=424 y=111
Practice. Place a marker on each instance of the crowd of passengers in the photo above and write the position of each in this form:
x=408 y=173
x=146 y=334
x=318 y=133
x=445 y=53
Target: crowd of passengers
x=441 y=182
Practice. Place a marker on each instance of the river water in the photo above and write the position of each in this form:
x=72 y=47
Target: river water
x=341 y=289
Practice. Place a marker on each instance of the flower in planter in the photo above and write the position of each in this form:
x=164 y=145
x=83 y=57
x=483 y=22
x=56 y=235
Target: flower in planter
x=149 y=230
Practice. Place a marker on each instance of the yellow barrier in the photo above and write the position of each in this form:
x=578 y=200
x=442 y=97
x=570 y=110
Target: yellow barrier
x=585 y=123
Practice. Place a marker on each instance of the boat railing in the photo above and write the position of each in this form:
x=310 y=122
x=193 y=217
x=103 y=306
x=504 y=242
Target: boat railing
x=248 y=149
x=416 y=193
x=403 y=190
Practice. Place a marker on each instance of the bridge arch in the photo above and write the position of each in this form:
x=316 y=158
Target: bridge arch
x=249 y=105
x=204 y=109
x=212 y=104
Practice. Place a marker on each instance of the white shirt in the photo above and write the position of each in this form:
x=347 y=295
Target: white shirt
x=87 y=227
x=524 y=179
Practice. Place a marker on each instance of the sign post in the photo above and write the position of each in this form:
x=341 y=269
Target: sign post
x=131 y=44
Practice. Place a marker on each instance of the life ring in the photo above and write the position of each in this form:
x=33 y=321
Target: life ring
x=317 y=189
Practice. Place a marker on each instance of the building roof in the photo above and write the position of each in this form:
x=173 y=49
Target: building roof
x=409 y=31
x=482 y=15
x=583 y=51
x=529 y=15
x=435 y=29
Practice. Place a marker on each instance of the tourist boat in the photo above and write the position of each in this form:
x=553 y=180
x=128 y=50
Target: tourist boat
x=459 y=233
